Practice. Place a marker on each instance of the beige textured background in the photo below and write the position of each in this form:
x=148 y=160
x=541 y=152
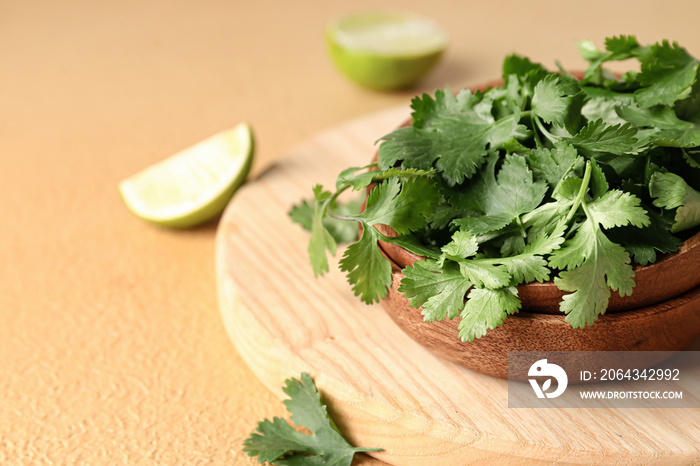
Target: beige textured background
x=111 y=346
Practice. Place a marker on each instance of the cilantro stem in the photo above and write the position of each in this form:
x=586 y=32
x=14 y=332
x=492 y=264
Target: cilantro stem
x=347 y=218
x=581 y=192
x=494 y=234
x=546 y=133
x=377 y=177
x=536 y=122
x=330 y=202
x=521 y=227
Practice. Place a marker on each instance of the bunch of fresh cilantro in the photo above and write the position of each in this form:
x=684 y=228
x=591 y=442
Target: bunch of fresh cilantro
x=545 y=177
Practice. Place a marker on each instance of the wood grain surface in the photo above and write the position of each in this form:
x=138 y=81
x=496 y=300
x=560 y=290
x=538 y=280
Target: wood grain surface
x=384 y=389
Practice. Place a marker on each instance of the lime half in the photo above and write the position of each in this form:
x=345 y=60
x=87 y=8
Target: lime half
x=385 y=51
x=193 y=185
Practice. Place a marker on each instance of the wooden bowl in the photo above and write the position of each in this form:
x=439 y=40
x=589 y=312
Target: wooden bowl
x=667 y=326
x=662 y=314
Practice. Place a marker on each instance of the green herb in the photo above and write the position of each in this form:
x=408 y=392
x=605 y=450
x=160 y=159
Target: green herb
x=342 y=232
x=543 y=178
x=277 y=442
x=672 y=192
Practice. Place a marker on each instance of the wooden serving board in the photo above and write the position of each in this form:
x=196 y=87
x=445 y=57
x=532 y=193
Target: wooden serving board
x=384 y=389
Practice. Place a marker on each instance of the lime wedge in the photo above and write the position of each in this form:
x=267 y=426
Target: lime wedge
x=193 y=185
x=385 y=51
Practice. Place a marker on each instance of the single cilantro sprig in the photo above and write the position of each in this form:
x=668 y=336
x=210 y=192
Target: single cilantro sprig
x=593 y=264
x=276 y=442
x=402 y=206
x=402 y=200
x=321 y=238
x=342 y=232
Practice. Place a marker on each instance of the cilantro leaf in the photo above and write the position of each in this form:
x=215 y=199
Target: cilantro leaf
x=342 y=232
x=438 y=289
x=598 y=183
x=466 y=106
x=602 y=104
x=542 y=220
x=278 y=443
x=567 y=189
x=618 y=48
x=415 y=147
x=521 y=67
x=463 y=245
x=512 y=243
x=527 y=267
x=670 y=191
x=553 y=98
x=485 y=274
x=589 y=51
x=688 y=109
x=642 y=244
x=521 y=76
x=485 y=310
x=403 y=206
x=666 y=128
x=685 y=137
x=552 y=165
x=661 y=117
x=596 y=136
x=321 y=238
x=606 y=266
x=617 y=208
x=667 y=74
x=453 y=132
x=368 y=270
x=621 y=47
x=479 y=225
x=614 y=209
x=303 y=214
x=505 y=198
